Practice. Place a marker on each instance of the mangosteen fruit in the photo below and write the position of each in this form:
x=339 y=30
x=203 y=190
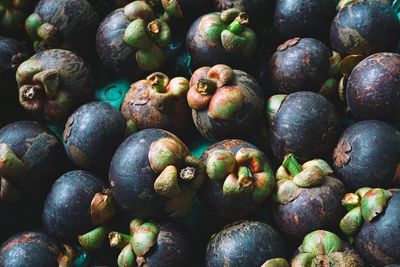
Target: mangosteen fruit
x=364 y=27
x=225 y=103
x=373 y=223
x=13 y=15
x=239 y=179
x=31 y=158
x=35 y=249
x=307 y=197
x=244 y=243
x=368 y=154
x=324 y=248
x=303 y=18
x=66 y=24
x=158 y=102
x=373 y=87
x=77 y=209
x=152 y=174
x=303 y=123
x=153 y=244
x=132 y=40
x=92 y=134
x=53 y=83
x=301 y=64
x=221 y=38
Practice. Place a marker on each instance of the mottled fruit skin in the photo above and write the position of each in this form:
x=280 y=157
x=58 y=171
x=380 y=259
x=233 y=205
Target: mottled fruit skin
x=303 y=18
x=245 y=122
x=92 y=134
x=40 y=151
x=211 y=196
x=368 y=154
x=66 y=211
x=373 y=87
x=378 y=241
x=244 y=243
x=315 y=208
x=301 y=67
x=131 y=177
x=173 y=247
x=365 y=27
x=307 y=125
x=30 y=249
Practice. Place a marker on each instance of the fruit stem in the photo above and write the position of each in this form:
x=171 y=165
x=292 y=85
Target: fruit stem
x=206 y=86
x=187 y=173
x=153 y=27
x=157 y=83
x=119 y=240
x=292 y=165
x=245 y=177
x=239 y=24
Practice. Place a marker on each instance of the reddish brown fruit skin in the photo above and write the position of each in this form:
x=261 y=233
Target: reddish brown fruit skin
x=301 y=67
x=378 y=241
x=373 y=87
x=315 y=208
x=365 y=27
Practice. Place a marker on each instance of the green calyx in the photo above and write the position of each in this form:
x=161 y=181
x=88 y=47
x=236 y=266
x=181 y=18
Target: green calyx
x=292 y=177
x=246 y=173
x=364 y=205
x=93 y=240
x=277 y=262
x=179 y=175
x=321 y=243
x=42 y=32
x=273 y=104
x=127 y=257
x=158 y=81
x=32 y=24
x=161 y=83
x=172 y=8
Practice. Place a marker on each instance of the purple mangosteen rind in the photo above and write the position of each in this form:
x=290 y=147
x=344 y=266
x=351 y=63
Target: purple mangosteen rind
x=238 y=179
x=251 y=240
x=225 y=103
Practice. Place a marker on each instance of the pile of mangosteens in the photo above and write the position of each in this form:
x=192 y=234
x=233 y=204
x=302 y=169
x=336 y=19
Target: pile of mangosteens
x=191 y=133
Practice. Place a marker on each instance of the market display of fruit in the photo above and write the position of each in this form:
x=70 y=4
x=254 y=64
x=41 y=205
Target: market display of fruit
x=200 y=133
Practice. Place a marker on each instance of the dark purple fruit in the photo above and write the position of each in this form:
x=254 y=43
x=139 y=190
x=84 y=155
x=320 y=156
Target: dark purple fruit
x=31 y=158
x=244 y=243
x=373 y=221
x=158 y=102
x=221 y=38
x=92 y=134
x=53 y=83
x=152 y=174
x=132 y=40
x=365 y=27
x=153 y=244
x=368 y=154
x=239 y=179
x=303 y=18
x=225 y=103
x=303 y=123
x=300 y=65
x=308 y=198
x=373 y=87
x=33 y=249
x=67 y=24
x=77 y=202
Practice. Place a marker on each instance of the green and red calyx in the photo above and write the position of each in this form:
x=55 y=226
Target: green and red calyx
x=135 y=246
x=39 y=91
x=229 y=28
x=148 y=35
x=292 y=177
x=212 y=88
x=161 y=84
x=363 y=205
x=244 y=173
x=179 y=174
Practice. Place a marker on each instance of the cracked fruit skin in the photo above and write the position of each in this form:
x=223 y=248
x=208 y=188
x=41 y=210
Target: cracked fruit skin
x=41 y=153
x=371 y=156
x=244 y=243
x=365 y=27
x=92 y=134
x=30 y=249
x=306 y=124
x=372 y=90
x=378 y=241
x=66 y=211
x=301 y=67
x=303 y=18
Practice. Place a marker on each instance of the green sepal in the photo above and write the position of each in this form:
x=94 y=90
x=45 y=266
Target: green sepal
x=166 y=183
x=138 y=9
x=127 y=257
x=287 y=191
x=310 y=177
x=220 y=163
x=144 y=238
x=226 y=103
x=273 y=104
x=264 y=183
x=374 y=203
x=351 y=201
x=136 y=35
x=150 y=59
x=303 y=260
x=321 y=243
x=164 y=152
x=277 y=262
x=362 y=191
x=93 y=240
x=232 y=187
x=32 y=24
x=351 y=222
x=322 y=164
x=134 y=225
x=282 y=174
x=172 y=8
x=229 y=15
x=212 y=27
